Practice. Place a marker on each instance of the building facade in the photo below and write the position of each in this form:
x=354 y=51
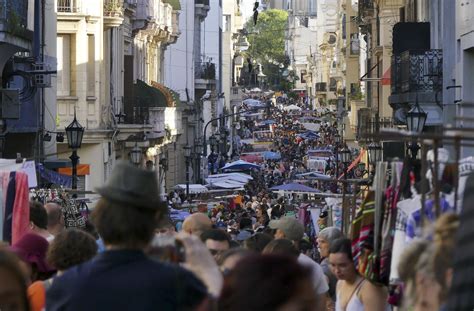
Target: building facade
x=110 y=75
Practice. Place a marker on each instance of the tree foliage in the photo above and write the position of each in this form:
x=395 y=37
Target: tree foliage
x=267 y=40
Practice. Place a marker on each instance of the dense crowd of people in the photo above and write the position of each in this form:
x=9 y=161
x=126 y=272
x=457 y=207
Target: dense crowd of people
x=250 y=252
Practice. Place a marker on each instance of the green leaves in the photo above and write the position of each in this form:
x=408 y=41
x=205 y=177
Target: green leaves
x=267 y=38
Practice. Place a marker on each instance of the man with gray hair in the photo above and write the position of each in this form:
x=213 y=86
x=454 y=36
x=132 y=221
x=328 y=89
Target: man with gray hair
x=325 y=238
x=56 y=222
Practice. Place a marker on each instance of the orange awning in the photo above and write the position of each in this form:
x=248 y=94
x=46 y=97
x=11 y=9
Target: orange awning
x=387 y=77
x=82 y=169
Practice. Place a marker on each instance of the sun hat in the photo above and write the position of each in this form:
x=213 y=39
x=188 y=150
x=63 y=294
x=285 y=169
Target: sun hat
x=32 y=248
x=132 y=186
x=290 y=226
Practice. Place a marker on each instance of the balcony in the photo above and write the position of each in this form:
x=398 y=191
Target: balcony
x=366 y=10
x=201 y=2
x=417 y=71
x=321 y=87
x=417 y=76
x=205 y=71
x=368 y=125
x=143 y=100
x=68 y=6
x=13 y=27
x=113 y=13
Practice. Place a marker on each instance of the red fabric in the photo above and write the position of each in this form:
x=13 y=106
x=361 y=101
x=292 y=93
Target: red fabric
x=21 y=207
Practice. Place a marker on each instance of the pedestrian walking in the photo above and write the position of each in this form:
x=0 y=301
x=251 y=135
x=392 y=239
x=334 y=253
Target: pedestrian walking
x=122 y=277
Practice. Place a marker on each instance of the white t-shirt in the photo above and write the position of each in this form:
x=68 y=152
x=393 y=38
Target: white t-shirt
x=319 y=280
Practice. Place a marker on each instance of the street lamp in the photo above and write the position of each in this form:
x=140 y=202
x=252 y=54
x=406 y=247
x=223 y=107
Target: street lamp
x=198 y=150
x=337 y=139
x=223 y=138
x=187 y=156
x=74 y=133
x=163 y=162
x=213 y=142
x=346 y=158
x=416 y=119
x=375 y=154
x=136 y=155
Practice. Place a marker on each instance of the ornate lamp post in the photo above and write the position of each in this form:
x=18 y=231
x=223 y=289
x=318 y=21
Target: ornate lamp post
x=74 y=133
x=213 y=142
x=136 y=155
x=198 y=149
x=416 y=119
x=187 y=156
x=337 y=143
x=375 y=155
x=223 y=139
x=346 y=159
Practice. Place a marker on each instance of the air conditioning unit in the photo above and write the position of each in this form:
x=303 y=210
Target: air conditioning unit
x=41 y=76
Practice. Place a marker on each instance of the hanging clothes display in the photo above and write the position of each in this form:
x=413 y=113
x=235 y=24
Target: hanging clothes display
x=15 y=205
x=75 y=210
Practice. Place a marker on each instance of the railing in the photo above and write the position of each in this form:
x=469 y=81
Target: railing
x=204 y=2
x=368 y=125
x=139 y=115
x=67 y=6
x=417 y=71
x=15 y=12
x=206 y=70
x=366 y=6
x=321 y=87
x=113 y=8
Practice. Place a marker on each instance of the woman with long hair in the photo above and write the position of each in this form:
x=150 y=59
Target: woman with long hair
x=353 y=291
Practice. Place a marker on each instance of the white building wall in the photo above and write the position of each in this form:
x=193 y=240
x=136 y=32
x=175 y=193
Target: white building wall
x=211 y=41
x=179 y=57
x=51 y=59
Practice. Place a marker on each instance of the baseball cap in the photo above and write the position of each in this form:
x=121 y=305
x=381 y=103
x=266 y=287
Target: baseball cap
x=291 y=227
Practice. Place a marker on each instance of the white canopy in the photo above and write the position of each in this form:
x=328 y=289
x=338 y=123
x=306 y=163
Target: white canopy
x=291 y=107
x=193 y=188
x=239 y=177
x=228 y=185
x=312 y=126
x=228 y=181
x=253 y=102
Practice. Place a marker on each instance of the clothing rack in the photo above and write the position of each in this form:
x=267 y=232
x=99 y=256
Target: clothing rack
x=457 y=137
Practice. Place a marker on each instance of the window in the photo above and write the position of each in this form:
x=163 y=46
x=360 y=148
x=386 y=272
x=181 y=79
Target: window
x=64 y=65
x=355 y=44
x=226 y=23
x=91 y=66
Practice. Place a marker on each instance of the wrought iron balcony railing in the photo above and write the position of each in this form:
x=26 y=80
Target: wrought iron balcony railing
x=206 y=70
x=417 y=71
x=321 y=87
x=14 y=12
x=67 y=6
x=368 y=125
x=366 y=8
x=139 y=115
x=204 y=2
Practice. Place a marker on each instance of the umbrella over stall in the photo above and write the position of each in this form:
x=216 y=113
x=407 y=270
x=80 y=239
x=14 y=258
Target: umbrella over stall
x=294 y=187
x=240 y=165
x=270 y=155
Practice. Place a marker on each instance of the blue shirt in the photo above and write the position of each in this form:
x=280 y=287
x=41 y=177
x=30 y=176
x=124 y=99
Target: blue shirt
x=125 y=280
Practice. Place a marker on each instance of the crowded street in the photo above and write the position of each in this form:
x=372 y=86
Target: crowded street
x=234 y=155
